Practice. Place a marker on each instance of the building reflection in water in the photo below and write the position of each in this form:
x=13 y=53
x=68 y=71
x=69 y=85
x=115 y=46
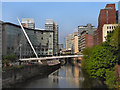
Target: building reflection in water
x=55 y=80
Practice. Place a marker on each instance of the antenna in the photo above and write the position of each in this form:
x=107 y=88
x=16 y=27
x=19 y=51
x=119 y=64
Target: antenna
x=28 y=38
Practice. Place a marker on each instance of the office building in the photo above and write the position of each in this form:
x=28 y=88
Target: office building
x=28 y=23
x=50 y=25
x=107 y=28
x=86 y=36
x=108 y=15
x=69 y=42
x=75 y=43
x=13 y=39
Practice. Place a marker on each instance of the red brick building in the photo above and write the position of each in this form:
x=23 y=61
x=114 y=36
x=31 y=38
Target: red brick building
x=87 y=40
x=108 y=15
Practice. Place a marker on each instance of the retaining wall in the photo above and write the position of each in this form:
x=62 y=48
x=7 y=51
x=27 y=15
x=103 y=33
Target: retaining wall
x=18 y=75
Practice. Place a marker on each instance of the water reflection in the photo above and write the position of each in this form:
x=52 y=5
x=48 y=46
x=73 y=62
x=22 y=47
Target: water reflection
x=68 y=76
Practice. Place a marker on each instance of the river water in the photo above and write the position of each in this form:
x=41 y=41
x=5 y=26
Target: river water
x=68 y=76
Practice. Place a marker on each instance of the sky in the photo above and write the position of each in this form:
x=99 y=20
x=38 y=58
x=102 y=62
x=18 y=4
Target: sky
x=68 y=15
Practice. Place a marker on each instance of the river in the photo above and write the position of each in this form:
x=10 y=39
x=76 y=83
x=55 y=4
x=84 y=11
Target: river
x=68 y=76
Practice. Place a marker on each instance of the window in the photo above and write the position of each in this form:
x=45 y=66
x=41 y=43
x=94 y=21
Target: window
x=107 y=31
x=107 y=27
x=42 y=49
x=110 y=27
x=46 y=49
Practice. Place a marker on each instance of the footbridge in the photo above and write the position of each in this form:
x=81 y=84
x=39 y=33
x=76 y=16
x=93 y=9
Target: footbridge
x=50 y=58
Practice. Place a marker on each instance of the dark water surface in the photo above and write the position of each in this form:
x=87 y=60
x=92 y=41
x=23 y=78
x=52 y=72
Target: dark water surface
x=68 y=76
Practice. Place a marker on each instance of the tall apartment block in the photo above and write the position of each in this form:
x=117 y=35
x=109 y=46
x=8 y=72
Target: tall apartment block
x=86 y=36
x=108 y=15
x=75 y=43
x=28 y=23
x=50 y=25
x=69 y=42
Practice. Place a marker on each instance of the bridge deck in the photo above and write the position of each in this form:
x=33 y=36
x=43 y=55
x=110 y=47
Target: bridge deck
x=53 y=57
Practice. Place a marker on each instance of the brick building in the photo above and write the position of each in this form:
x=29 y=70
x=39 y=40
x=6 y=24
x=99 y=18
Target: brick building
x=108 y=15
x=86 y=36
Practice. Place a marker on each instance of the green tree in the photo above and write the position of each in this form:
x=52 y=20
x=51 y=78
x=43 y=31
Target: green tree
x=86 y=52
x=101 y=58
x=5 y=60
x=12 y=58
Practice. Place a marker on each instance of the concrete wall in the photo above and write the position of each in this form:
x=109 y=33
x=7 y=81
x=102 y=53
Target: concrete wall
x=15 y=76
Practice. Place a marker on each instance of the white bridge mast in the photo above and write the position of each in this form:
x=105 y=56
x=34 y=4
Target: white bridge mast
x=28 y=39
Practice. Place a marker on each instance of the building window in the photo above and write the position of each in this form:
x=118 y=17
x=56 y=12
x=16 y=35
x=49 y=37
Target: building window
x=107 y=31
x=110 y=27
x=42 y=49
x=107 y=27
x=46 y=49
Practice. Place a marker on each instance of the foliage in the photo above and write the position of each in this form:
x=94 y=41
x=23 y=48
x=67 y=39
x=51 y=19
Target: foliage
x=115 y=39
x=111 y=79
x=86 y=52
x=13 y=68
x=12 y=58
x=5 y=61
x=99 y=62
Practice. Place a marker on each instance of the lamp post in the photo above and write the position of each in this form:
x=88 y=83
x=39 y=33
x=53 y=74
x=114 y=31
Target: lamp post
x=20 y=50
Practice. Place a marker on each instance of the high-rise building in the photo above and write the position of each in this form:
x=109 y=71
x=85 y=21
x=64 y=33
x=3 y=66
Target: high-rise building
x=86 y=36
x=69 y=42
x=75 y=43
x=108 y=15
x=50 y=25
x=28 y=23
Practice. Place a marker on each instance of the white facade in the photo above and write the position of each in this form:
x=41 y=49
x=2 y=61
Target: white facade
x=28 y=23
x=50 y=25
x=107 y=28
x=69 y=42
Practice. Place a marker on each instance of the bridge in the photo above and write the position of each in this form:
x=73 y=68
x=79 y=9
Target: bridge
x=50 y=58
x=42 y=58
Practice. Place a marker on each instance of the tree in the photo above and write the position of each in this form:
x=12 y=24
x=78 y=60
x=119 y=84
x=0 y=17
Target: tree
x=115 y=38
x=12 y=58
x=86 y=52
x=5 y=61
x=101 y=58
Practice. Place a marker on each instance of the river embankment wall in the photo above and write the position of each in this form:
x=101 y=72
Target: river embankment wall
x=18 y=75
